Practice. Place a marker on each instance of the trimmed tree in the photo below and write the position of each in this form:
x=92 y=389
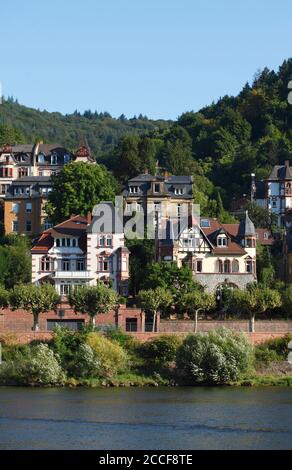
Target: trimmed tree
x=193 y=302
x=93 y=300
x=153 y=300
x=35 y=299
x=254 y=301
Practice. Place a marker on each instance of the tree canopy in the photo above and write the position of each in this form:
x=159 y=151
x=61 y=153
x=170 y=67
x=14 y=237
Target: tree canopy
x=77 y=188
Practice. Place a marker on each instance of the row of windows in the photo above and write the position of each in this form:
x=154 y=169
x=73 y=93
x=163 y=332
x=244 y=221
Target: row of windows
x=226 y=267
x=16 y=206
x=41 y=158
x=105 y=240
x=67 y=287
x=156 y=189
x=47 y=264
x=15 y=226
x=66 y=242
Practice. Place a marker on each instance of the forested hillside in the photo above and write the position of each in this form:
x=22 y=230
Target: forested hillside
x=100 y=129
x=221 y=145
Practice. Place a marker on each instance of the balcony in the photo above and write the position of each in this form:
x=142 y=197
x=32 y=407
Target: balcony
x=73 y=275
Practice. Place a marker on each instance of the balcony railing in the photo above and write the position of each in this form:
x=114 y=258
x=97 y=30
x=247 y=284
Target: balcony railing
x=73 y=275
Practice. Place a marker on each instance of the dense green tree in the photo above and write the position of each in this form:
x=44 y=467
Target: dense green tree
x=10 y=135
x=77 y=188
x=15 y=261
x=35 y=299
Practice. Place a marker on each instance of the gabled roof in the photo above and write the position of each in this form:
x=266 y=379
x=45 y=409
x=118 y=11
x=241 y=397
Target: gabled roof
x=281 y=172
x=75 y=226
x=215 y=228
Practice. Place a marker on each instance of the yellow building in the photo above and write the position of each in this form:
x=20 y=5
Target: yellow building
x=24 y=206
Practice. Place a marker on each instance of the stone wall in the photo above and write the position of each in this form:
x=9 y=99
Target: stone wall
x=211 y=281
x=261 y=326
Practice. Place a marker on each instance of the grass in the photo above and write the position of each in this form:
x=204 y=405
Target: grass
x=264 y=381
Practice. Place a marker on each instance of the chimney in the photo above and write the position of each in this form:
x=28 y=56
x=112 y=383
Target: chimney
x=165 y=174
x=89 y=217
x=146 y=171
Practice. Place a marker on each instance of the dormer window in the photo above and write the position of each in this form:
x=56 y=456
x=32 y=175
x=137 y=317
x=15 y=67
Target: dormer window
x=134 y=189
x=178 y=191
x=156 y=188
x=41 y=158
x=54 y=159
x=222 y=241
x=66 y=158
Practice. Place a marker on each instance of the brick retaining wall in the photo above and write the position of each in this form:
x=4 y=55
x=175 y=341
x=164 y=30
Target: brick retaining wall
x=261 y=326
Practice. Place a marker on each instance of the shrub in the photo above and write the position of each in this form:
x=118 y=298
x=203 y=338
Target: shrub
x=38 y=366
x=161 y=350
x=273 y=350
x=120 y=337
x=85 y=363
x=66 y=344
x=111 y=356
x=217 y=357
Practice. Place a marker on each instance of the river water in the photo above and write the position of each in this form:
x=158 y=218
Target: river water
x=146 y=419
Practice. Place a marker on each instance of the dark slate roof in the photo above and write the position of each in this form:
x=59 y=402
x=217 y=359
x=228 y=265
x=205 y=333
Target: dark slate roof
x=145 y=177
x=179 y=179
x=281 y=172
x=246 y=227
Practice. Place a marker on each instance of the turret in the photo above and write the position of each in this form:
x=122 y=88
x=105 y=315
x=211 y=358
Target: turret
x=247 y=234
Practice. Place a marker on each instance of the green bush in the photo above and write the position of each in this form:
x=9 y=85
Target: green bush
x=161 y=350
x=66 y=344
x=217 y=357
x=85 y=363
x=110 y=355
x=120 y=337
x=273 y=350
x=38 y=366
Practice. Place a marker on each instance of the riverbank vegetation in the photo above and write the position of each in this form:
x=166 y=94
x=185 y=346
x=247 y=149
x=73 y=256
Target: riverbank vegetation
x=112 y=358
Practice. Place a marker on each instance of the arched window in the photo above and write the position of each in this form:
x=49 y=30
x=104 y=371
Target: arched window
x=226 y=266
x=74 y=242
x=108 y=241
x=235 y=266
x=68 y=242
x=58 y=242
x=220 y=266
x=102 y=240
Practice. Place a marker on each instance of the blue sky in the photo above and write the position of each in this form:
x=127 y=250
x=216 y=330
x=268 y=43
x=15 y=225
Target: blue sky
x=155 y=57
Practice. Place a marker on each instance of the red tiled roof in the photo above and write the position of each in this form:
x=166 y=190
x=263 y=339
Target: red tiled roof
x=231 y=229
x=75 y=226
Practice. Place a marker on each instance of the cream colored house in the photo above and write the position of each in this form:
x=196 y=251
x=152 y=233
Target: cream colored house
x=218 y=254
x=73 y=254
